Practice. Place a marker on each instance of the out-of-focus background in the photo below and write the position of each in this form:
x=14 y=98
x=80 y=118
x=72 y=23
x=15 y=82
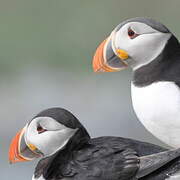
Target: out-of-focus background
x=46 y=48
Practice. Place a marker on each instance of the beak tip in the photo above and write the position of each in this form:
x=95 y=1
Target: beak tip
x=99 y=63
x=10 y=161
x=98 y=59
x=95 y=70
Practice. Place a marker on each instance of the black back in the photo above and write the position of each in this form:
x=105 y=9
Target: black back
x=104 y=158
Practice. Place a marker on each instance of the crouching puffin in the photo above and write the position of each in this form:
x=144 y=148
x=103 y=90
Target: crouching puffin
x=153 y=53
x=68 y=153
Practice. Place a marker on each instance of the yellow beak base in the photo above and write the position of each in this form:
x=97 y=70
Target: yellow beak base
x=123 y=55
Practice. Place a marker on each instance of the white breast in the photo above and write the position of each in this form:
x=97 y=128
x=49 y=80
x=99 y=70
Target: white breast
x=40 y=178
x=158 y=108
x=174 y=177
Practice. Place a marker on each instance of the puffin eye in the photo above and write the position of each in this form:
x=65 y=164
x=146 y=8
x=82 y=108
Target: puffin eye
x=132 y=34
x=40 y=129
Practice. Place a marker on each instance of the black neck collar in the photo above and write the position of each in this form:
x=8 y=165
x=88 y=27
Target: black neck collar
x=166 y=67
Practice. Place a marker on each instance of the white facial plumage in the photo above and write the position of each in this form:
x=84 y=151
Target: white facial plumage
x=145 y=47
x=54 y=138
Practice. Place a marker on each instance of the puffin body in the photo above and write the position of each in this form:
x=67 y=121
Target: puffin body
x=68 y=153
x=104 y=158
x=153 y=53
x=156 y=94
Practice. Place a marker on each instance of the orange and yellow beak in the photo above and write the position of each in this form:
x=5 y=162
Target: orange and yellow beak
x=19 y=151
x=109 y=59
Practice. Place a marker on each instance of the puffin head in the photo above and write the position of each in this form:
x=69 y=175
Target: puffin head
x=135 y=43
x=48 y=132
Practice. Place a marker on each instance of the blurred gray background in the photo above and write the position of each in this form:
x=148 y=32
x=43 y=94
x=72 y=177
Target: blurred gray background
x=46 y=49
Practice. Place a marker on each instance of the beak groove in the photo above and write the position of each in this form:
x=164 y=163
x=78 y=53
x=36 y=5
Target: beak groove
x=98 y=58
x=99 y=64
x=107 y=59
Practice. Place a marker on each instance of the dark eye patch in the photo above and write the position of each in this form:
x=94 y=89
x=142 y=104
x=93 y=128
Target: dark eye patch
x=40 y=129
x=132 y=34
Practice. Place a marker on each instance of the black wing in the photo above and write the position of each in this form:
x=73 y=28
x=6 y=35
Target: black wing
x=105 y=158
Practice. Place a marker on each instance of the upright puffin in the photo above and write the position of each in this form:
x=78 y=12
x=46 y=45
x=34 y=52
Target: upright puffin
x=68 y=153
x=153 y=53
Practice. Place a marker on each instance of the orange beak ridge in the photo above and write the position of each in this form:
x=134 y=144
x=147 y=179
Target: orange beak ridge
x=14 y=150
x=106 y=60
x=99 y=64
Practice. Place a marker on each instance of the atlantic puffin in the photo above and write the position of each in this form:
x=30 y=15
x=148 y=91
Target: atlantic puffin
x=68 y=153
x=153 y=53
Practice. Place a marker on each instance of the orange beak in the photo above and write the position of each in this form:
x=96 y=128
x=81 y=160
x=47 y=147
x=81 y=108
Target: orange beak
x=19 y=151
x=14 y=150
x=106 y=60
x=99 y=64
